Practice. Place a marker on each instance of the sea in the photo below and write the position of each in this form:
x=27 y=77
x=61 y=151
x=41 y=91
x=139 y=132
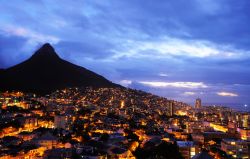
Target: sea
x=244 y=107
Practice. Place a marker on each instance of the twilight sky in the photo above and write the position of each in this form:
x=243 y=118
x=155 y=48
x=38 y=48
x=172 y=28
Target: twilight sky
x=176 y=48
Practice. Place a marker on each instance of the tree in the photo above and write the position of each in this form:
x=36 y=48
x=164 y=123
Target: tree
x=104 y=137
x=85 y=137
x=161 y=151
x=66 y=138
x=132 y=136
x=78 y=127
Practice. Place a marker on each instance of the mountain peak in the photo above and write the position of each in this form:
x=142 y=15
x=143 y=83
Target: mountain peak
x=46 y=51
x=46 y=72
x=47 y=46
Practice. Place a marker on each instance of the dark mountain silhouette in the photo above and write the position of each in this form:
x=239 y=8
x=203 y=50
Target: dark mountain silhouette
x=45 y=72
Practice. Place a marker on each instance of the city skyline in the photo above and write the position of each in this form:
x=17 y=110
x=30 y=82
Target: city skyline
x=126 y=79
x=176 y=49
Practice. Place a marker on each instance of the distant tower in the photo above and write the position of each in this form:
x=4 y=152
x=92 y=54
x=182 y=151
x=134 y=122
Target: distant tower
x=198 y=103
x=171 y=108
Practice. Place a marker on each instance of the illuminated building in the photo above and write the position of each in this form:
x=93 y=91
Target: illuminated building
x=235 y=148
x=219 y=127
x=122 y=112
x=232 y=127
x=48 y=141
x=187 y=149
x=198 y=103
x=122 y=104
x=196 y=126
x=60 y=121
x=244 y=133
x=203 y=155
x=30 y=123
x=198 y=137
x=245 y=120
x=64 y=121
x=25 y=135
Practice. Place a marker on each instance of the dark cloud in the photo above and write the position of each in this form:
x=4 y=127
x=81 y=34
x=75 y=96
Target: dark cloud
x=10 y=50
x=86 y=49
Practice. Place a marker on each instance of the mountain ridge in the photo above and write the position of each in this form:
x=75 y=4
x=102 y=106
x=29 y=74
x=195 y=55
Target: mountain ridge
x=45 y=72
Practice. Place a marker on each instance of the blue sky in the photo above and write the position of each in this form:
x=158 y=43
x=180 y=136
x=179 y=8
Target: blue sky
x=177 y=48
